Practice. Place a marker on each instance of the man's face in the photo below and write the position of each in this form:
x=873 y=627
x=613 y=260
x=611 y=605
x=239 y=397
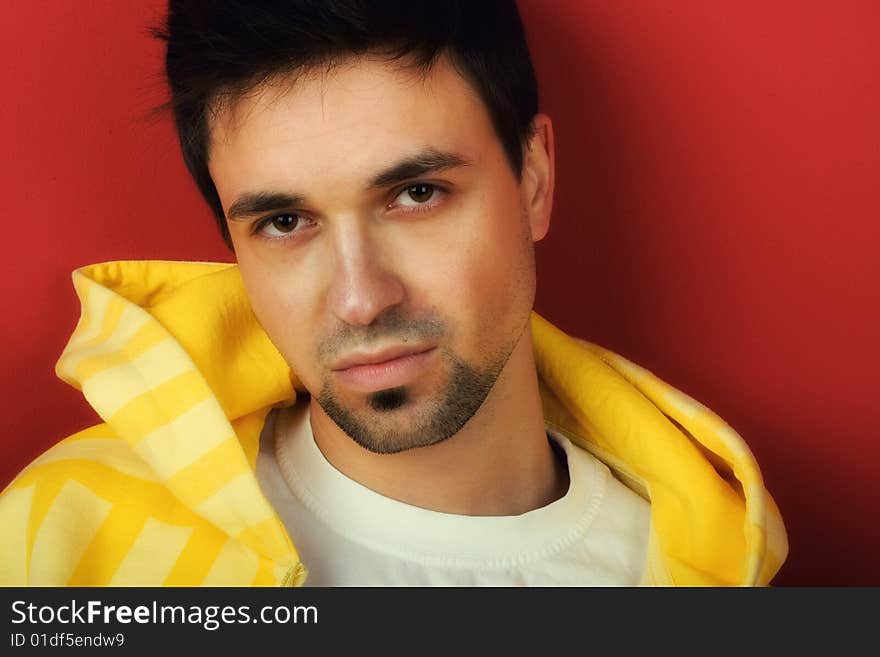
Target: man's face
x=383 y=240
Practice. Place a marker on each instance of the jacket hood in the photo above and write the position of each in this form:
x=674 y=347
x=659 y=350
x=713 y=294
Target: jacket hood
x=173 y=359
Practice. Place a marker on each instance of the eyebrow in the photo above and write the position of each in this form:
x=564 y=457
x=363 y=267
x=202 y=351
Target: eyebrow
x=424 y=162
x=427 y=161
x=259 y=202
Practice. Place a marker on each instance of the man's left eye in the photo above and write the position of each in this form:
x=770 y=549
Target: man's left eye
x=417 y=194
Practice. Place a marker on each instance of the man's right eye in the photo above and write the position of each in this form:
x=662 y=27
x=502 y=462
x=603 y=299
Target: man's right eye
x=278 y=226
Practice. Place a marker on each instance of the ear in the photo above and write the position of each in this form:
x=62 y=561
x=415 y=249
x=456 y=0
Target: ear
x=538 y=176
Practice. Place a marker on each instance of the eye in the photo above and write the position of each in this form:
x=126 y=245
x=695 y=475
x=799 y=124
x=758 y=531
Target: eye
x=420 y=193
x=280 y=225
x=418 y=196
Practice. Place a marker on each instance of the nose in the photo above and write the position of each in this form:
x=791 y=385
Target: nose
x=364 y=284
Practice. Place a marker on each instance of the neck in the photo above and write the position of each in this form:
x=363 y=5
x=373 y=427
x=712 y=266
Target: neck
x=500 y=463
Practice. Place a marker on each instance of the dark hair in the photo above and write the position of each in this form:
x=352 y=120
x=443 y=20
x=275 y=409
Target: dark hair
x=224 y=48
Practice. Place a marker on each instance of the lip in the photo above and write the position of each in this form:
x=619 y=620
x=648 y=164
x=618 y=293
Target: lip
x=382 y=356
x=387 y=368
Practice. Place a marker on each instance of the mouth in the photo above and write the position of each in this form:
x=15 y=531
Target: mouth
x=388 y=368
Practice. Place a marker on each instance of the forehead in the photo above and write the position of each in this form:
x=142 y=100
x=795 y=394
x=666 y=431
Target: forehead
x=351 y=118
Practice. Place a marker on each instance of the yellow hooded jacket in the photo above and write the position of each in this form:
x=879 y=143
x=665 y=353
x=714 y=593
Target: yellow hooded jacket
x=163 y=492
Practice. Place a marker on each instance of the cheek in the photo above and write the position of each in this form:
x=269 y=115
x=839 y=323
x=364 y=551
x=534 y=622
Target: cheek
x=500 y=278
x=281 y=304
x=480 y=275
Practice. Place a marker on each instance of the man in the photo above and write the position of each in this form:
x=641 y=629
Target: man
x=367 y=397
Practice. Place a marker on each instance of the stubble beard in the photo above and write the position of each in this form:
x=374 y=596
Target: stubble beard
x=378 y=431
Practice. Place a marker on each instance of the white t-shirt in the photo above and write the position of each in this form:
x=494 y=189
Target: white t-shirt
x=349 y=535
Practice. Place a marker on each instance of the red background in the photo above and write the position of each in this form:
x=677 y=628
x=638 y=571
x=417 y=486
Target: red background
x=716 y=219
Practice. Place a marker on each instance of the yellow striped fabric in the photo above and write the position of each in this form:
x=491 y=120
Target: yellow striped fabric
x=163 y=492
